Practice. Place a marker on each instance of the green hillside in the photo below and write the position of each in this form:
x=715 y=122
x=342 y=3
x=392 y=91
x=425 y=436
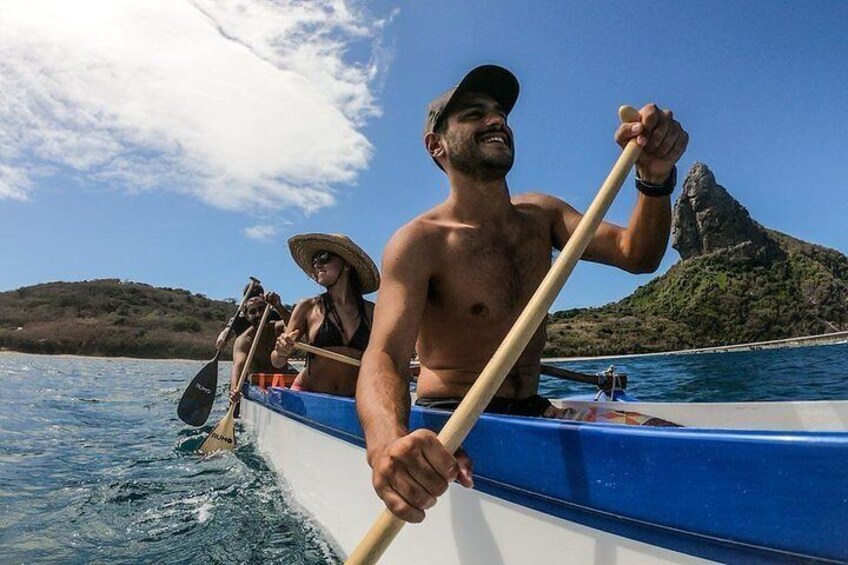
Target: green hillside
x=737 y=283
x=111 y=318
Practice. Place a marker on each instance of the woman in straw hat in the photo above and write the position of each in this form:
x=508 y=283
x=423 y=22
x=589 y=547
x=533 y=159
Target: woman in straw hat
x=339 y=319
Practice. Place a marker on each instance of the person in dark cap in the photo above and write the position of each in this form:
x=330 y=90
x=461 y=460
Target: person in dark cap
x=456 y=278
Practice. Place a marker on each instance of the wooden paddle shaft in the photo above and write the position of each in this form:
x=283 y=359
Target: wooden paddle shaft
x=377 y=540
x=328 y=354
x=597 y=380
x=223 y=435
x=246 y=369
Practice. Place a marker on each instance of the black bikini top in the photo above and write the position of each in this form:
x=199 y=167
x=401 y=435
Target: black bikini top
x=331 y=331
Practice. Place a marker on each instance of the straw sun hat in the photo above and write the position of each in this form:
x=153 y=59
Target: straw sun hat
x=304 y=246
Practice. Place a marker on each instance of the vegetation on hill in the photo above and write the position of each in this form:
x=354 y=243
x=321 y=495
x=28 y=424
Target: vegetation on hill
x=738 y=283
x=719 y=299
x=111 y=318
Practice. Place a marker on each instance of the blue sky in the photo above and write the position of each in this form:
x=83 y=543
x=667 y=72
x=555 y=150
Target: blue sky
x=149 y=144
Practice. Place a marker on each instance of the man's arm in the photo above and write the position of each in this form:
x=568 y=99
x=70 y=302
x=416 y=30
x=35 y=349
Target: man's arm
x=241 y=348
x=409 y=470
x=273 y=299
x=640 y=247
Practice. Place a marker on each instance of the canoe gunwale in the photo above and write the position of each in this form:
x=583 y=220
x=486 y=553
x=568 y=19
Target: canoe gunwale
x=336 y=416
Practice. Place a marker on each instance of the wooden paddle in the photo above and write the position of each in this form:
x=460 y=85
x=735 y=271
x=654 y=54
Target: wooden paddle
x=328 y=354
x=387 y=526
x=223 y=435
x=601 y=381
x=198 y=398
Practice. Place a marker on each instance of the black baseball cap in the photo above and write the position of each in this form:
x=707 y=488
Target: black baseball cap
x=493 y=80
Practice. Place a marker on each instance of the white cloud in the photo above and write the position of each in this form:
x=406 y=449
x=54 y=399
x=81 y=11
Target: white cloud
x=13 y=183
x=262 y=232
x=239 y=104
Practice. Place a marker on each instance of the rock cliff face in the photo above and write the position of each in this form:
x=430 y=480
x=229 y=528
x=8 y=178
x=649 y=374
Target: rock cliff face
x=707 y=219
x=736 y=282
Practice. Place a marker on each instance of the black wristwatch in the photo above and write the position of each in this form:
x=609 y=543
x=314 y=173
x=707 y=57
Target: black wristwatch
x=663 y=189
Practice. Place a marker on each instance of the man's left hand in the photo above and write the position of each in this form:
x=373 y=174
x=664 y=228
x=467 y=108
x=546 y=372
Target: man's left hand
x=662 y=139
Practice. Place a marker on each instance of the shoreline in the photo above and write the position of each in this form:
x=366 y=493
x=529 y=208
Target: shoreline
x=802 y=341
x=104 y=358
x=117 y=358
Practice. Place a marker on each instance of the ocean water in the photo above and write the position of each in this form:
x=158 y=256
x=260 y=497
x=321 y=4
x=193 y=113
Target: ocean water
x=793 y=373
x=95 y=467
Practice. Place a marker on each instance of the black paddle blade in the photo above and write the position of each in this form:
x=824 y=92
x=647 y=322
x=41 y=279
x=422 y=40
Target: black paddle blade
x=197 y=400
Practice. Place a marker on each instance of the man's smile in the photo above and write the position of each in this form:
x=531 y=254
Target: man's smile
x=495 y=137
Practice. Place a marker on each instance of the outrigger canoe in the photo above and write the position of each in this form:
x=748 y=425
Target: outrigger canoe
x=763 y=482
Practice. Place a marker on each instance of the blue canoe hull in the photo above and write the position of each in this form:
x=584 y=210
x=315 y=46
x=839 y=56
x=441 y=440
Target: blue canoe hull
x=723 y=495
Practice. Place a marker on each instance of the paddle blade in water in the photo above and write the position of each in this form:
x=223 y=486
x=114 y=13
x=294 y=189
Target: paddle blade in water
x=197 y=400
x=222 y=437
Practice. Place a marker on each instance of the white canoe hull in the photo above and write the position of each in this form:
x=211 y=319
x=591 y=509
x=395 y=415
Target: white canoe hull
x=331 y=481
x=765 y=483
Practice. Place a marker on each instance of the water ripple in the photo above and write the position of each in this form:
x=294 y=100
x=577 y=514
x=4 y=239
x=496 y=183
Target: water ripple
x=95 y=466
x=94 y=472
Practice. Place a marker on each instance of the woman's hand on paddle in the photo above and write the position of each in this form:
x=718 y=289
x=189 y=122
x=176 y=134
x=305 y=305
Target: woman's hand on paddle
x=235 y=396
x=416 y=469
x=285 y=343
x=662 y=139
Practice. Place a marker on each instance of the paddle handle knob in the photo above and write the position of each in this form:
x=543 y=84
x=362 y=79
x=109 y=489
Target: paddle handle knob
x=629 y=114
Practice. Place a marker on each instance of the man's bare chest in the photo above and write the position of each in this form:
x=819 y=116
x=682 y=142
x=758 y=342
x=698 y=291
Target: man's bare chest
x=489 y=275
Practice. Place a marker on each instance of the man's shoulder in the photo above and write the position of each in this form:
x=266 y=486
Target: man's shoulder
x=415 y=246
x=538 y=200
x=244 y=340
x=541 y=205
x=423 y=230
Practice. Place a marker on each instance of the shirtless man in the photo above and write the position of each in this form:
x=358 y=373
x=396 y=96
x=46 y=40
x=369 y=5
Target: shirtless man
x=456 y=278
x=253 y=310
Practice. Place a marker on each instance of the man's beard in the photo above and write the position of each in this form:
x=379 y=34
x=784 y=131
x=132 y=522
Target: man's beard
x=466 y=157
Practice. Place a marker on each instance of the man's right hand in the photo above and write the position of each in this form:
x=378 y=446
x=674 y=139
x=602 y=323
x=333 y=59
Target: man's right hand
x=410 y=473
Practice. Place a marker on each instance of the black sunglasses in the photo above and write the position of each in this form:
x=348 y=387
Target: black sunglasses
x=321 y=258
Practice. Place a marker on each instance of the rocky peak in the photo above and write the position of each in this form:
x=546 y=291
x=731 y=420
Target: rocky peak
x=707 y=219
